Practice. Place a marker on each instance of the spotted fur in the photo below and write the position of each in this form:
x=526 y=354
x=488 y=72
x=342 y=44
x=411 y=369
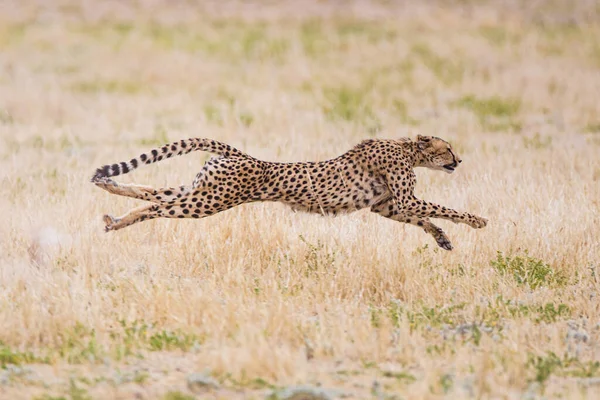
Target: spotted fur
x=376 y=173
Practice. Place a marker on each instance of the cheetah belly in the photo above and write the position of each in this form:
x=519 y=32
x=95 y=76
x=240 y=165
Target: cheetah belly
x=347 y=199
x=369 y=193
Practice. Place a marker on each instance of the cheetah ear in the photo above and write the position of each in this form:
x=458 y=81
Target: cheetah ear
x=422 y=142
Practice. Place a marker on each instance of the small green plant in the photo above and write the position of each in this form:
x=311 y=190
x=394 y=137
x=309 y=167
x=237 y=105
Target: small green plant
x=544 y=366
x=395 y=312
x=537 y=142
x=401 y=377
x=140 y=377
x=375 y=317
x=551 y=313
x=6 y=118
x=78 y=345
x=177 y=396
x=592 y=127
x=527 y=270
x=317 y=260
x=49 y=397
x=166 y=340
x=246 y=119
x=213 y=115
x=78 y=393
x=446 y=383
x=9 y=356
x=247 y=383
x=129 y=338
x=435 y=316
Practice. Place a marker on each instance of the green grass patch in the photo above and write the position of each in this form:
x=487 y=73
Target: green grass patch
x=401 y=377
x=504 y=309
x=423 y=316
x=495 y=113
x=528 y=271
x=177 y=396
x=167 y=340
x=592 y=127
x=537 y=142
x=12 y=34
x=485 y=107
x=10 y=356
x=213 y=114
x=372 y=31
x=6 y=118
x=496 y=35
x=79 y=344
x=112 y=86
x=351 y=105
x=245 y=118
x=346 y=103
x=313 y=38
x=229 y=40
x=542 y=367
x=401 y=110
x=448 y=71
x=159 y=138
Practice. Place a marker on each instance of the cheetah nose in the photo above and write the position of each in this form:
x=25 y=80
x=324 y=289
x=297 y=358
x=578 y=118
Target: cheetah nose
x=459 y=161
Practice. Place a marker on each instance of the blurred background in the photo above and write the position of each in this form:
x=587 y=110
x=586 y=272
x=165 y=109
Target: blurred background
x=258 y=299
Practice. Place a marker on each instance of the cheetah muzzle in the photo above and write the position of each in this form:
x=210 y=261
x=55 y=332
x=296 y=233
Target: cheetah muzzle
x=376 y=173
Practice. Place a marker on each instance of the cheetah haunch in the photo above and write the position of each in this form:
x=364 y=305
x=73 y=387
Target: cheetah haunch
x=375 y=173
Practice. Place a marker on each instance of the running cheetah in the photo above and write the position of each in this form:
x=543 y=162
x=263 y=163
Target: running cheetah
x=376 y=173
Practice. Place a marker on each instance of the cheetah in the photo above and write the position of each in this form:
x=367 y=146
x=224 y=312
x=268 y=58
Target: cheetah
x=376 y=173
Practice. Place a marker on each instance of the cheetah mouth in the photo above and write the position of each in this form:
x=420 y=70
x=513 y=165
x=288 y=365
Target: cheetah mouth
x=450 y=167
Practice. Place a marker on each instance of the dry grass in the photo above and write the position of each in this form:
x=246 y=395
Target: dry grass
x=259 y=297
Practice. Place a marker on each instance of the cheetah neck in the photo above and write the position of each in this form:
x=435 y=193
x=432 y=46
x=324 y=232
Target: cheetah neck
x=416 y=158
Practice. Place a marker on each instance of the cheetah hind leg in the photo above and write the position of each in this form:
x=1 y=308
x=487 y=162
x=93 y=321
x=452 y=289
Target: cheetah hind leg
x=140 y=192
x=136 y=215
x=186 y=207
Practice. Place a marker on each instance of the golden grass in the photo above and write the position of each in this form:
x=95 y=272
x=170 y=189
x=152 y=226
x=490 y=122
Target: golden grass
x=259 y=297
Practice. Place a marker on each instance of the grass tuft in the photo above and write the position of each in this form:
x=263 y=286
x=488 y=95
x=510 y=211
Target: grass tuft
x=528 y=271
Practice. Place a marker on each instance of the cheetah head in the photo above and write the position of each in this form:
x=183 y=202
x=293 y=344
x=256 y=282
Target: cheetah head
x=437 y=154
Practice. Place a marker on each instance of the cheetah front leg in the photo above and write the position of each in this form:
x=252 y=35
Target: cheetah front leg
x=421 y=208
x=389 y=209
x=162 y=195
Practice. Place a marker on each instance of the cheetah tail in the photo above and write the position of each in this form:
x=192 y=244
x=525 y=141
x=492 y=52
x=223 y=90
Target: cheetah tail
x=183 y=146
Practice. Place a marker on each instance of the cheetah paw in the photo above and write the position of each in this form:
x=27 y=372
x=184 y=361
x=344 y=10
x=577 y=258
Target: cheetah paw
x=444 y=242
x=110 y=222
x=106 y=184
